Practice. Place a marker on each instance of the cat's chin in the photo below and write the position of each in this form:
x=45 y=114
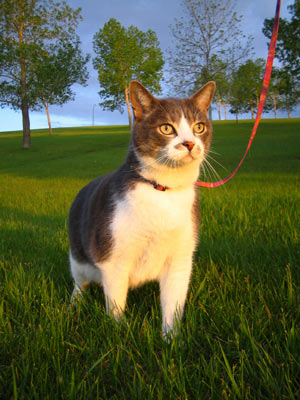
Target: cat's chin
x=186 y=159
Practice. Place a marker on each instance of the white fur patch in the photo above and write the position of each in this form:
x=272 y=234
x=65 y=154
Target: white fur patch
x=184 y=131
x=84 y=273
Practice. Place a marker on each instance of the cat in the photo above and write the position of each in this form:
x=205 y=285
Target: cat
x=140 y=223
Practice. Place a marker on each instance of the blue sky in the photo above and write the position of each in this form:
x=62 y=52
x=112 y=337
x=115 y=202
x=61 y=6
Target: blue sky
x=157 y=15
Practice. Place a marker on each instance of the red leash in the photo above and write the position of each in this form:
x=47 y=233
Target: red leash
x=262 y=100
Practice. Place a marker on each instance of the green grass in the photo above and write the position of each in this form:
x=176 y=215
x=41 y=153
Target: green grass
x=239 y=338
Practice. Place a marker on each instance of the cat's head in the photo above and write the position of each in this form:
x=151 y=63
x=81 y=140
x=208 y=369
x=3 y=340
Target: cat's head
x=171 y=133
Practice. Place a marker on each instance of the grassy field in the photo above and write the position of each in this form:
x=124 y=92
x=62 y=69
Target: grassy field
x=239 y=338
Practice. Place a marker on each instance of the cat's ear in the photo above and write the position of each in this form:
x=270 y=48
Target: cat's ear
x=141 y=100
x=204 y=96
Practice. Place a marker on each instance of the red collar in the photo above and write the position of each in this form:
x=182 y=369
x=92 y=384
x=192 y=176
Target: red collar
x=156 y=186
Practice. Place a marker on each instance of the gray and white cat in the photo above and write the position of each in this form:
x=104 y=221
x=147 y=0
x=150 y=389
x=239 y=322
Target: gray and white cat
x=140 y=223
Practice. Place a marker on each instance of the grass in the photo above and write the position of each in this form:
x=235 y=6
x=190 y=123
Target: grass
x=239 y=338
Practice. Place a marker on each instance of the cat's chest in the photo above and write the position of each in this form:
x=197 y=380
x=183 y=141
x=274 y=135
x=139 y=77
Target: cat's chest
x=147 y=210
x=150 y=227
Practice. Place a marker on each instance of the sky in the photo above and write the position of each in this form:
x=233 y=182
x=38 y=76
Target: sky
x=157 y=15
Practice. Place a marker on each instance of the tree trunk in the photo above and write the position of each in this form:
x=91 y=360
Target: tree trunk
x=128 y=106
x=289 y=112
x=48 y=117
x=225 y=110
x=251 y=109
x=24 y=108
x=26 y=125
x=237 y=118
x=219 y=111
x=210 y=113
x=23 y=90
x=275 y=105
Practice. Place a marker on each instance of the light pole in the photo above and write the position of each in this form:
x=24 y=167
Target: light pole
x=94 y=105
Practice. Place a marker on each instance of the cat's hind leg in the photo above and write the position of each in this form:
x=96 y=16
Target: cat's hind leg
x=83 y=274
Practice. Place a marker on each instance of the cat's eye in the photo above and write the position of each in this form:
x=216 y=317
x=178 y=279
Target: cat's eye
x=199 y=128
x=166 y=129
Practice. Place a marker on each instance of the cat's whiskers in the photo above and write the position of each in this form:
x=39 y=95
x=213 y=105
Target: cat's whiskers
x=206 y=167
x=217 y=162
x=212 y=151
x=206 y=171
x=212 y=169
x=202 y=169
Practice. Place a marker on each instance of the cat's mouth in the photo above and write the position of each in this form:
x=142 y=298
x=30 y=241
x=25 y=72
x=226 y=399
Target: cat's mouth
x=190 y=157
x=185 y=156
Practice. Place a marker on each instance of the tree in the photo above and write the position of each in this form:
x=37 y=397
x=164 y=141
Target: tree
x=209 y=32
x=121 y=56
x=28 y=28
x=222 y=79
x=237 y=99
x=286 y=91
x=288 y=88
x=54 y=73
x=273 y=90
x=246 y=86
x=288 y=43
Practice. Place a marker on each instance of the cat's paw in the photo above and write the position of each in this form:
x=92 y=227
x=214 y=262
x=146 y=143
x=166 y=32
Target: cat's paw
x=168 y=336
x=75 y=297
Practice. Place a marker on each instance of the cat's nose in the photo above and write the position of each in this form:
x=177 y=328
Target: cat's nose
x=189 y=145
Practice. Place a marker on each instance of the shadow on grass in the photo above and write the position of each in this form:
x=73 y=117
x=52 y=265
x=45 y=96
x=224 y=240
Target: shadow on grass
x=38 y=242
x=38 y=245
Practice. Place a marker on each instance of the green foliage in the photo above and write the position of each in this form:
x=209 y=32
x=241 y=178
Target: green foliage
x=222 y=79
x=239 y=338
x=42 y=26
x=55 y=71
x=288 y=44
x=123 y=55
x=246 y=86
x=286 y=88
x=40 y=54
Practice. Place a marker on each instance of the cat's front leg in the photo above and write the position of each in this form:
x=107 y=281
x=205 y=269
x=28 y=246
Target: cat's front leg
x=174 y=285
x=115 y=287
